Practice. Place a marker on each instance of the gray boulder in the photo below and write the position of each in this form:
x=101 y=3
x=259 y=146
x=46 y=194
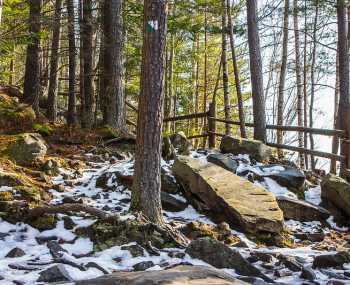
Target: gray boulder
x=179 y=275
x=299 y=210
x=227 y=197
x=223 y=160
x=172 y=204
x=180 y=143
x=56 y=273
x=220 y=255
x=256 y=149
x=331 y=260
x=336 y=191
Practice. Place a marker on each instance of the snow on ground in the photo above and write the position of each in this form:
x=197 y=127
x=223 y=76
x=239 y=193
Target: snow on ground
x=116 y=201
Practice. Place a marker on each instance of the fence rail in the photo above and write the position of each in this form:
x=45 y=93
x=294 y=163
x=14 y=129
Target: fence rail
x=212 y=133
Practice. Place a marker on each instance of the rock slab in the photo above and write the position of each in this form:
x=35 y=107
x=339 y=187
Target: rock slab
x=228 y=197
x=337 y=191
x=179 y=275
x=256 y=149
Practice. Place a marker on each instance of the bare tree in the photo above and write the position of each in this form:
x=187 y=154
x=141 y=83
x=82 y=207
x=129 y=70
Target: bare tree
x=55 y=45
x=256 y=72
x=146 y=187
x=32 y=68
x=282 y=80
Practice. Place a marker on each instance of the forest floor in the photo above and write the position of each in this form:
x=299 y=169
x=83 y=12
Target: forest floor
x=87 y=255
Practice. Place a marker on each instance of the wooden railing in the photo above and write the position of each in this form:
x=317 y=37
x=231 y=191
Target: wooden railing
x=212 y=133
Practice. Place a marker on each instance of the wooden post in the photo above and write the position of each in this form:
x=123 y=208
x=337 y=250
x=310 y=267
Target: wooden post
x=212 y=124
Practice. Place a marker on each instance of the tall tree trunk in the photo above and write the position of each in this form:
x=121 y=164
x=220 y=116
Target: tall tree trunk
x=343 y=109
x=305 y=95
x=225 y=70
x=71 y=116
x=256 y=72
x=205 y=94
x=299 y=80
x=52 y=95
x=88 y=118
x=283 y=71
x=236 y=73
x=32 y=68
x=81 y=64
x=196 y=89
x=1 y=4
x=113 y=64
x=146 y=187
x=313 y=82
x=335 y=139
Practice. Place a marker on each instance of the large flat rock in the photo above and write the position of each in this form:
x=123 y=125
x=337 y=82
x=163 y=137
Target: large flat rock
x=180 y=275
x=228 y=197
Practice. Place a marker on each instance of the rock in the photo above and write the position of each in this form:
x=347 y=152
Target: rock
x=220 y=255
x=313 y=237
x=168 y=150
x=6 y=196
x=92 y=264
x=290 y=262
x=135 y=250
x=15 y=252
x=337 y=191
x=142 y=266
x=169 y=183
x=15 y=116
x=25 y=148
x=10 y=179
x=55 y=249
x=331 y=260
x=308 y=274
x=265 y=257
x=180 y=142
x=179 y=275
x=223 y=160
x=256 y=149
x=228 y=197
x=56 y=273
x=172 y=204
x=301 y=210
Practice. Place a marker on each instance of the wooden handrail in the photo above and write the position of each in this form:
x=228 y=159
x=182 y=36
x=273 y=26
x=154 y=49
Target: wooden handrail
x=325 y=132
x=186 y=117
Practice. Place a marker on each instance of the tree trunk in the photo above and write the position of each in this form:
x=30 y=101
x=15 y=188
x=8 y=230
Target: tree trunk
x=282 y=81
x=313 y=83
x=1 y=4
x=256 y=73
x=305 y=85
x=81 y=64
x=335 y=139
x=225 y=70
x=113 y=64
x=88 y=114
x=205 y=94
x=32 y=68
x=236 y=73
x=71 y=116
x=52 y=94
x=299 y=80
x=146 y=187
x=343 y=108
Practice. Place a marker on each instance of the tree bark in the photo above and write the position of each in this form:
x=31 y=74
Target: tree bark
x=282 y=81
x=343 y=109
x=236 y=73
x=299 y=80
x=227 y=102
x=71 y=115
x=32 y=68
x=113 y=64
x=52 y=94
x=81 y=64
x=146 y=186
x=1 y=4
x=88 y=114
x=256 y=72
x=305 y=95
x=313 y=82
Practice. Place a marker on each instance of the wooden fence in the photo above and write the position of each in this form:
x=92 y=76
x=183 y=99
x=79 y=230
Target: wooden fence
x=212 y=133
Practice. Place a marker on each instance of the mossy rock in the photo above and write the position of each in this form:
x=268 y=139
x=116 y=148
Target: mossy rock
x=24 y=148
x=30 y=194
x=6 y=196
x=107 y=132
x=10 y=179
x=43 y=223
x=15 y=116
x=45 y=130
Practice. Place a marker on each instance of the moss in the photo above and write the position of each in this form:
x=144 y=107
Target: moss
x=29 y=193
x=45 y=222
x=108 y=132
x=45 y=130
x=6 y=196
